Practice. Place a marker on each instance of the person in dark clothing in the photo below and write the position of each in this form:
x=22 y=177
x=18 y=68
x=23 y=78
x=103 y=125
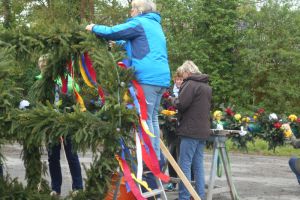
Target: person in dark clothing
x=193 y=104
x=54 y=149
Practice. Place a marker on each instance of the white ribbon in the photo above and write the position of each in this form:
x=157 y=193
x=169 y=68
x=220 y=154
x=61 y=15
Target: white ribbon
x=139 y=157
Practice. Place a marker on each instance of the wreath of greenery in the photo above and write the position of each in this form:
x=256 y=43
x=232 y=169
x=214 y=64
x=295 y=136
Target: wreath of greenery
x=98 y=129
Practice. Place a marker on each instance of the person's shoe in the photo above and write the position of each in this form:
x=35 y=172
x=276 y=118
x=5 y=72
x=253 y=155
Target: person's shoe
x=54 y=194
x=75 y=193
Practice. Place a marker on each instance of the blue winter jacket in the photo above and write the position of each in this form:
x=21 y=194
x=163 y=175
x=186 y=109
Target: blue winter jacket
x=145 y=46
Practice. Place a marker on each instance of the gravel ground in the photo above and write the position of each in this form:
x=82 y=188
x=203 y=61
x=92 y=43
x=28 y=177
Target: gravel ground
x=255 y=177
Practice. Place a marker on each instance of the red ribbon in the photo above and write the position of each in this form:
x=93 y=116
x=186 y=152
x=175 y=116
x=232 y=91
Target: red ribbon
x=70 y=68
x=150 y=158
x=90 y=68
x=64 y=82
x=122 y=65
x=128 y=178
x=141 y=98
x=92 y=72
x=101 y=94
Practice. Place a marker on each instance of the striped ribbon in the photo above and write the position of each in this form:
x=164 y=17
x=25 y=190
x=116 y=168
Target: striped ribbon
x=128 y=178
x=77 y=95
x=150 y=157
x=144 y=148
x=89 y=74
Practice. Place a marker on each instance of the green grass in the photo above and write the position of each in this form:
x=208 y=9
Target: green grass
x=260 y=147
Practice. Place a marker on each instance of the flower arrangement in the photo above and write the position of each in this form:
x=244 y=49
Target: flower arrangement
x=269 y=127
x=168 y=115
x=272 y=128
x=295 y=124
x=231 y=120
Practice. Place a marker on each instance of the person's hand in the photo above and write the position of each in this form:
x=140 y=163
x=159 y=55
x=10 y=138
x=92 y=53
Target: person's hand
x=89 y=27
x=111 y=43
x=172 y=100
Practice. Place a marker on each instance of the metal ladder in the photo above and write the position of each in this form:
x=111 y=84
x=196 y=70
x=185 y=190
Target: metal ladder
x=160 y=190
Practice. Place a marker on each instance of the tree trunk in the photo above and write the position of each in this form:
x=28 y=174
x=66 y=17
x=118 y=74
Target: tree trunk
x=82 y=9
x=87 y=14
x=7 y=14
x=92 y=10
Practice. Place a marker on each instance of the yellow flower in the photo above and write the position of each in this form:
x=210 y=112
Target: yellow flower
x=246 y=119
x=255 y=117
x=287 y=131
x=293 y=118
x=168 y=112
x=126 y=97
x=217 y=115
x=237 y=117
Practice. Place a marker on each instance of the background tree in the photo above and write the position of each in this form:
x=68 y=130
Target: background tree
x=203 y=31
x=267 y=66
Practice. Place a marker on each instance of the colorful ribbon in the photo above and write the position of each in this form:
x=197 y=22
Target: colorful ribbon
x=64 y=83
x=128 y=178
x=77 y=95
x=150 y=158
x=89 y=74
x=141 y=98
x=137 y=96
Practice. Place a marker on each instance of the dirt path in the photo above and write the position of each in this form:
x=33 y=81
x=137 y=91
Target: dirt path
x=255 y=177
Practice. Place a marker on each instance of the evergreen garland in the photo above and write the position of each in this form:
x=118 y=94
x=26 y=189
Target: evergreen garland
x=98 y=129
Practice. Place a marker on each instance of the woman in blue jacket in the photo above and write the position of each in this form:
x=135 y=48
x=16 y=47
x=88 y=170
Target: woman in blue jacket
x=145 y=44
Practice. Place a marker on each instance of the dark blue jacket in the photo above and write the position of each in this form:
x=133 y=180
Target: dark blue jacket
x=145 y=44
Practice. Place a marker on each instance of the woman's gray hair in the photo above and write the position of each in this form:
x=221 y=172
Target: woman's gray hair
x=188 y=67
x=144 y=6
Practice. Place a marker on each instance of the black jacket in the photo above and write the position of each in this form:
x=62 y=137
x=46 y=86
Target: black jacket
x=193 y=104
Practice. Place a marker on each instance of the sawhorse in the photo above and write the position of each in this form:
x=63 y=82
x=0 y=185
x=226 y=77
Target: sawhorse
x=219 y=138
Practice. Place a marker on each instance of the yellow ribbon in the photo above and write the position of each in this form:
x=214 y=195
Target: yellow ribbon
x=84 y=76
x=79 y=100
x=146 y=128
x=141 y=182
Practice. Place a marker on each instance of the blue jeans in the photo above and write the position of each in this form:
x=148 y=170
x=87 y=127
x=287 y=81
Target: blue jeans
x=191 y=154
x=55 y=169
x=153 y=96
x=292 y=163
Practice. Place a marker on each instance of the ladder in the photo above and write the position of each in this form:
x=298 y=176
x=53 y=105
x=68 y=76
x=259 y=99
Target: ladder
x=160 y=189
